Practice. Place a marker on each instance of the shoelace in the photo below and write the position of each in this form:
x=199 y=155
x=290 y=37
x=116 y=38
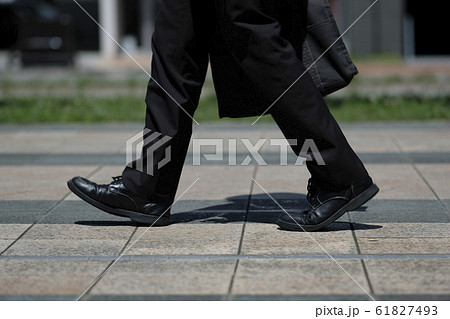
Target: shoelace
x=312 y=190
x=117 y=179
x=309 y=185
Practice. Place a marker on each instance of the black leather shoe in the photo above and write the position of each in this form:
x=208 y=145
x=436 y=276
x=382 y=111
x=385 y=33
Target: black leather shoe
x=326 y=207
x=116 y=199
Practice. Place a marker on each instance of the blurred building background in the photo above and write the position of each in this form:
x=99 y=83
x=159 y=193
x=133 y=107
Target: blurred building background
x=409 y=28
x=403 y=28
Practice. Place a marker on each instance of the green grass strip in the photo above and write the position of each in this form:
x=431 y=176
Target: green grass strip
x=17 y=109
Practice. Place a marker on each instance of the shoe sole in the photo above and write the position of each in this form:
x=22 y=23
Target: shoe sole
x=354 y=204
x=140 y=218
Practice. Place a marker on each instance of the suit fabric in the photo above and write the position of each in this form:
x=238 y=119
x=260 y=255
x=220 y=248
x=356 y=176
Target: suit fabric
x=256 y=51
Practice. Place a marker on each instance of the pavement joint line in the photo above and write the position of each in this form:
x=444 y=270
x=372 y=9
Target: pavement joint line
x=228 y=257
x=358 y=250
x=49 y=211
x=413 y=164
x=247 y=211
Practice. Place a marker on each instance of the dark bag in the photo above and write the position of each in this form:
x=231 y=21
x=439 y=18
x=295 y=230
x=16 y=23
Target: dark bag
x=334 y=70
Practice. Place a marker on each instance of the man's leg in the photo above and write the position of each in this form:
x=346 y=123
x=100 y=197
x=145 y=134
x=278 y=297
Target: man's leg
x=179 y=65
x=342 y=166
x=254 y=38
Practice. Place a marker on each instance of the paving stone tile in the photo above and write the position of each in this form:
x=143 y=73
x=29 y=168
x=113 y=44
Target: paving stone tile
x=185 y=246
x=387 y=158
x=400 y=211
x=427 y=158
x=372 y=141
x=23 y=211
x=190 y=230
x=186 y=239
x=288 y=180
x=215 y=182
x=94 y=142
x=65 y=247
x=167 y=277
x=399 y=181
x=298 y=277
x=447 y=204
x=78 y=232
x=228 y=141
x=4 y=243
x=228 y=131
x=414 y=245
x=48 y=277
x=79 y=212
x=13 y=206
x=12 y=231
x=9 y=233
x=34 y=141
x=423 y=140
x=437 y=175
x=245 y=158
x=37 y=182
x=427 y=277
x=260 y=239
x=406 y=230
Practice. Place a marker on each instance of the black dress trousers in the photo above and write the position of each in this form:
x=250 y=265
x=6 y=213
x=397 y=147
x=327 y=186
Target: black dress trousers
x=252 y=34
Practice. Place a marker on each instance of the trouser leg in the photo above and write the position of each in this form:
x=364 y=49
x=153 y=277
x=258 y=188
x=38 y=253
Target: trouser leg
x=342 y=166
x=179 y=65
x=254 y=38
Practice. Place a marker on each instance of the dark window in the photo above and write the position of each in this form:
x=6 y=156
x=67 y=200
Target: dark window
x=431 y=26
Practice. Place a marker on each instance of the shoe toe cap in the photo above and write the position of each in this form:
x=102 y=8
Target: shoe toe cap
x=82 y=184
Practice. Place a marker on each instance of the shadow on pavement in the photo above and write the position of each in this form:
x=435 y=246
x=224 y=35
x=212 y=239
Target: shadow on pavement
x=261 y=209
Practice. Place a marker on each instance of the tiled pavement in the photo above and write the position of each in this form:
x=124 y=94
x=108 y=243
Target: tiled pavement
x=224 y=244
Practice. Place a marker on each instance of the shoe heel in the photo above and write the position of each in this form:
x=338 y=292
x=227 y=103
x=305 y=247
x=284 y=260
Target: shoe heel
x=152 y=216
x=363 y=198
x=151 y=220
